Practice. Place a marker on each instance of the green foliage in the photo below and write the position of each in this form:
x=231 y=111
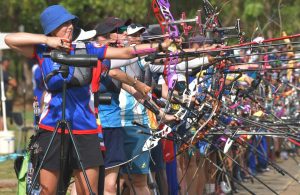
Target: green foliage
x=253 y=13
x=253 y=10
x=291 y=16
x=93 y=11
x=17 y=12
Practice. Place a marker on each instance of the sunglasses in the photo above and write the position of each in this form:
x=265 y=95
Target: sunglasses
x=133 y=26
x=120 y=30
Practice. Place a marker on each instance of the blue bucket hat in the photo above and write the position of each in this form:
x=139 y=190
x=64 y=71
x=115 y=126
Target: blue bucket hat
x=54 y=16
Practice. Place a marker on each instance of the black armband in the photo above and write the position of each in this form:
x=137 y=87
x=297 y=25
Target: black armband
x=157 y=90
x=160 y=48
x=149 y=105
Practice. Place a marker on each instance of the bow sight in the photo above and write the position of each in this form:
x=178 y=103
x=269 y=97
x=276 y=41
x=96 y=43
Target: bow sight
x=220 y=34
x=217 y=34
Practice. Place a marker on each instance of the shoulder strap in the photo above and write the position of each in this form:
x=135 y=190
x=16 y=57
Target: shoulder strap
x=96 y=79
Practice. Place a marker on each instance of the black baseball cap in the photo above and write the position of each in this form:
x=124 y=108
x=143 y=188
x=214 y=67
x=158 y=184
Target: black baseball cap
x=110 y=24
x=150 y=32
x=154 y=31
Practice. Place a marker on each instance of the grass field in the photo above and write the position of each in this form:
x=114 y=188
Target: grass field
x=7 y=170
x=7 y=174
x=8 y=191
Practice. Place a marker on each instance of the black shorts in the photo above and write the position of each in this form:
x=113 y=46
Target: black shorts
x=157 y=163
x=88 y=147
x=114 y=144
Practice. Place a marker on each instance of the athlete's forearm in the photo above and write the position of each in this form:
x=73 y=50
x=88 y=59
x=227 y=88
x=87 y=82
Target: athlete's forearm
x=122 y=77
x=22 y=39
x=24 y=42
x=120 y=63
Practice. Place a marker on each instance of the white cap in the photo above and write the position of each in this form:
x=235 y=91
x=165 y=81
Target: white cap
x=134 y=28
x=85 y=35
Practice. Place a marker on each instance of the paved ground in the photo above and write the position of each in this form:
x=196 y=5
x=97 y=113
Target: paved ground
x=283 y=185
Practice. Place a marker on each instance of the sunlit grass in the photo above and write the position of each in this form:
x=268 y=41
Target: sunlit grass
x=7 y=167
x=7 y=173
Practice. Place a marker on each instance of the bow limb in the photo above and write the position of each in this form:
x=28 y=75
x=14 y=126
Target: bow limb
x=217 y=104
x=161 y=9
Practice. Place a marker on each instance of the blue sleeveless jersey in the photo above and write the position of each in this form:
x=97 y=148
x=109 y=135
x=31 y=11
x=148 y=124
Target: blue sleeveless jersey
x=110 y=115
x=79 y=105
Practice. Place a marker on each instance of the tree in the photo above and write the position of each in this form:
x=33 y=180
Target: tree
x=269 y=17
